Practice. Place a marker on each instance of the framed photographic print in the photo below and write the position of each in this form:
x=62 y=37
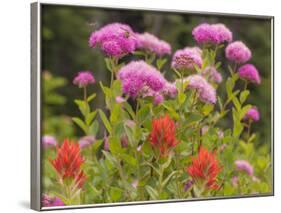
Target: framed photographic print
x=137 y=106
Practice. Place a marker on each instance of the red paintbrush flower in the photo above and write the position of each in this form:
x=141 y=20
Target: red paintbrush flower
x=68 y=162
x=162 y=135
x=205 y=168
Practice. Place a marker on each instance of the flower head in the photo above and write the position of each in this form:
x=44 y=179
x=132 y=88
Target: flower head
x=252 y=114
x=187 y=58
x=86 y=141
x=151 y=43
x=238 y=52
x=212 y=74
x=120 y=99
x=249 y=73
x=114 y=39
x=205 y=169
x=170 y=90
x=84 y=78
x=242 y=165
x=139 y=78
x=68 y=162
x=48 y=201
x=211 y=33
x=206 y=91
x=49 y=141
x=162 y=135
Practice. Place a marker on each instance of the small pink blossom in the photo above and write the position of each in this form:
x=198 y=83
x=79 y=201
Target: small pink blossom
x=242 y=165
x=234 y=181
x=151 y=43
x=206 y=91
x=238 y=52
x=48 y=201
x=49 y=141
x=139 y=78
x=249 y=73
x=86 y=141
x=120 y=99
x=212 y=74
x=187 y=58
x=252 y=114
x=84 y=78
x=114 y=39
x=211 y=34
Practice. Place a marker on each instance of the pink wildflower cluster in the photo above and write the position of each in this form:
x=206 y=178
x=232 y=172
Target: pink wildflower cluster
x=252 y=114
x=212 y=34
x=49 y=141
x=212 y=74
x=86 y=141
x=84 y=78
x=187 y=58
x=238 y=52
x=206 y=91
x=141 y=79
x=250 y=73
x=48 y=201
x=114 y=39
x=151 y=43
x=242 y=165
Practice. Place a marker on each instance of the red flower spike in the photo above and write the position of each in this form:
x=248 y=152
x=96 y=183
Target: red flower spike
x=162 y=135
x=68 y=162
x=205 y=168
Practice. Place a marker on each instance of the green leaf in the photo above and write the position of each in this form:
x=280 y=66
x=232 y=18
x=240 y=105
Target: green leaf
x=81 y=124
x=90 y=117
x=160 y=63
x=116 y=193
x=181 y=98
x=143 y=113
x=94 y=128
x=152 y=192
x=91 y=97
x=207 y=109
x=229 y=87
x=108 y=64
x=105 y=121
x=115 y=114
x=244 y=95
x=97 y=144
x=115 y=146
x=168 y=178
x=129 y=159
x=83 y=107
x=111 y=159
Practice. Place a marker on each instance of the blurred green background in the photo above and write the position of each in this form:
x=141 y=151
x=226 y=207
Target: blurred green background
x=65 y=51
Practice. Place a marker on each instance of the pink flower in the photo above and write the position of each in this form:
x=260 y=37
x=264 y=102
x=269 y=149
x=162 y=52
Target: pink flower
x=86 y=141
x=238 y=52
x=212 y=74
x=151 y=43
x=234 y=181
x=187 y=58
x=211 y=34
x=48 y=201
x=106 y=143
x=140 y=79
x=242 y=165
x=119 y=99
x=170 y=90
x=249 y=73
x=115 y=39
x=158 y=99
x=49 y=141
x=206 y=91
x=252 y=114
x=84 y=78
